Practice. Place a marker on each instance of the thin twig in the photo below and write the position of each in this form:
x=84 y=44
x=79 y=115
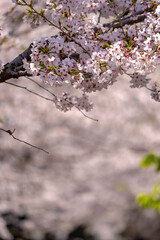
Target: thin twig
x=28 y=90
x=56 y=98
x=52 y=24
x=48 y=99
x=118 y=18
x=30 y=79
x=99 y=17
x=22 y=141
x=94 y=119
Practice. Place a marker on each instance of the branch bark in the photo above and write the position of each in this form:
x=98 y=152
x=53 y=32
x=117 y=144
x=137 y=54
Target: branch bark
x=140 y=16
x=14 y=69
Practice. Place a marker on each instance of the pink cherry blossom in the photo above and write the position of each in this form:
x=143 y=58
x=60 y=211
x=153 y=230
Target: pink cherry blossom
x=88 y=55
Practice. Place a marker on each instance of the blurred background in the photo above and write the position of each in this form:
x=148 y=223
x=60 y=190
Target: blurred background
x=85 y=188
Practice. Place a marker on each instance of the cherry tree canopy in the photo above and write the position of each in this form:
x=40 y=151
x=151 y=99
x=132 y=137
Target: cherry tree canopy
x=87 y=54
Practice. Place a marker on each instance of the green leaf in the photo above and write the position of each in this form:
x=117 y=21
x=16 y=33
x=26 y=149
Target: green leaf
x=151 y=200
x=21 y=4
x=148 y=160
x=74 y=73
x=156 y=192
x=151 y=159
x=53 y=68
x=87 y=75
x=30 y=4
x=103 y=64
x=106 y=45
x=42 y=65
x=59 y=23
x=42 y=12
x=144 y=200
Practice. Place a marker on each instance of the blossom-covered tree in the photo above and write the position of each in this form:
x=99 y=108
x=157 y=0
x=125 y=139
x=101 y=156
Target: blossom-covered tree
x=87 y=54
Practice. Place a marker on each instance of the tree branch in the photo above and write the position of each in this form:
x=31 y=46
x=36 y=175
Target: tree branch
x=11 y=133
x=140 y=16
x=15 y=68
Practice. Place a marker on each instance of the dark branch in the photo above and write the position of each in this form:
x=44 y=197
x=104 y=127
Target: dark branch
x=125 y=21
x=30 y=91
x=11 y=133
x=130 y=20
x=15 y=68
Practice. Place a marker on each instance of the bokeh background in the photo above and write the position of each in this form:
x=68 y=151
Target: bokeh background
x=85 y=188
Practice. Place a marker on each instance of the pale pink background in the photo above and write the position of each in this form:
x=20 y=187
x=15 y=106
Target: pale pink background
x=92 y=173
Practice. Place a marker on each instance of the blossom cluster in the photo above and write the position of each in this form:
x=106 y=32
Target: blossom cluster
x=88 y=55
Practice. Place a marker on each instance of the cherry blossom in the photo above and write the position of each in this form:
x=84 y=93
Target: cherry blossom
x=89 y=55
